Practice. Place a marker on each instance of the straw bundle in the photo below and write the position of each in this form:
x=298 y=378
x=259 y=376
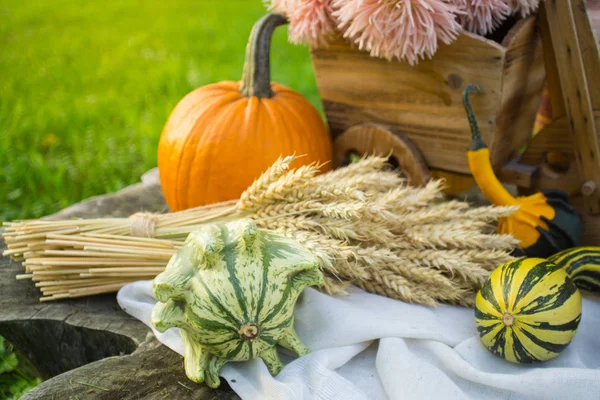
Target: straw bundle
x=366 y=225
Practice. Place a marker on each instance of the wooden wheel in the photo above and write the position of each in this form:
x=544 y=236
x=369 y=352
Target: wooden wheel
x=378 y=139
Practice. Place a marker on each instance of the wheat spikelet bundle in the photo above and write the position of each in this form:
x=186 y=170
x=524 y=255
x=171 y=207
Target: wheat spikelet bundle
x=363 y=222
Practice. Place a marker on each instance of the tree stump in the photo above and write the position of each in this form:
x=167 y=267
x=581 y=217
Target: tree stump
x=89 y=347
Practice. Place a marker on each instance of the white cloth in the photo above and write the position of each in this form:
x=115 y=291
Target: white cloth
x=370 y=347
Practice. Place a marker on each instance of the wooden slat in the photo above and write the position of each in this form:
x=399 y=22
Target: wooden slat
x=552 y=76
x=564 y=16
x=523 y=82
x=587 y=22
x=593 y=7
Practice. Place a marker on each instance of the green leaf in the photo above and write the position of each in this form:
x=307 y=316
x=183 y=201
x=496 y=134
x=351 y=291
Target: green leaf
x=8 y=363
x=16 y=376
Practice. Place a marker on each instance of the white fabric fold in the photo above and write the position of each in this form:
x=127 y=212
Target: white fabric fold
x=366 y=346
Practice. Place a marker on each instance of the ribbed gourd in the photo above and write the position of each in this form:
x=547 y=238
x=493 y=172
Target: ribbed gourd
x=231 y=290
x=583 y=266
x=527 y=311
x=545 y=222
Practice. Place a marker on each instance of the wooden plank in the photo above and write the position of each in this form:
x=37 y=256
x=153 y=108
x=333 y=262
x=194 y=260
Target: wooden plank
x=552 y=76
x=563 y=16
x=523 y=82
x=423 y=102
x=586 y=13
x=593 y=9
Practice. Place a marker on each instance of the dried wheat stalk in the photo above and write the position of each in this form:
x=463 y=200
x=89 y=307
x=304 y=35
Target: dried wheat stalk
x=363 y=222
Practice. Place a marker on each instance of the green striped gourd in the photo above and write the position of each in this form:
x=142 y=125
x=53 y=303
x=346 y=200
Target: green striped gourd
x=231 y=289
x=527 y=311
x=583 y=266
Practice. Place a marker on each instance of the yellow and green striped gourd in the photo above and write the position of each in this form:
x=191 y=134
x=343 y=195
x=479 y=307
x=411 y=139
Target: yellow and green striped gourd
x=527 y=311
x=583 y=266
x=231 y=291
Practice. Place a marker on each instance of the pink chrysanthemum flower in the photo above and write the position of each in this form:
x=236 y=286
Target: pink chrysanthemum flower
x=311 y=21
x=408 y=30
x=278 y=6
x=524 y=7
x=482 y=16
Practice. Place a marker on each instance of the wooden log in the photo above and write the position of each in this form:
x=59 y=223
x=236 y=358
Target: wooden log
x=91 y=337
x=68 y=334
x=152 y=372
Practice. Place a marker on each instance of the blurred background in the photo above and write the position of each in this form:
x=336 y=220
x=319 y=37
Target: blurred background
x=86 y=87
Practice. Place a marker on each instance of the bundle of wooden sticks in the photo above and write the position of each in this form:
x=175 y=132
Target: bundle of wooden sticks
x=76 y=258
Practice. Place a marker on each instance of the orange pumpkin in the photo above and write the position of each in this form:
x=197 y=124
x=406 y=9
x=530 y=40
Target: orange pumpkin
x=221 y=137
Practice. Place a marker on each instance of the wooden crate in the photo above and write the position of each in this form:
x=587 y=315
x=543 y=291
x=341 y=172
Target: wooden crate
x=424 y=102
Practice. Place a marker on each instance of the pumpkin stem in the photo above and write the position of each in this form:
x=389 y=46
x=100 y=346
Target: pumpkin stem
x=508 y=319
x=256 y=81
x=476 y=141
x=249 y=331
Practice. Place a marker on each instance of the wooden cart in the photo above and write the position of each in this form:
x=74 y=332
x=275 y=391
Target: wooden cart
x=373 y=105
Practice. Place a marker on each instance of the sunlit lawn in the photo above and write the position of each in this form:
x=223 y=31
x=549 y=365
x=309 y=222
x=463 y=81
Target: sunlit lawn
x=86 y=86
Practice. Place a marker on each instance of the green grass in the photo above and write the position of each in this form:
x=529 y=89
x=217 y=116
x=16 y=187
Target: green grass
x=17 y=376
x=85 y=88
